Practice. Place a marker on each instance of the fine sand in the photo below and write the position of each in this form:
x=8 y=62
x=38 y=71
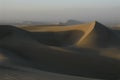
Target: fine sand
x=88 y=50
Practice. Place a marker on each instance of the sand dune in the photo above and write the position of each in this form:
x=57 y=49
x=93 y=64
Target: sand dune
x=116 y=27
x=13 y=67
x=86 y=35
x=87 y=50
x=64 y=35
x=100 y=37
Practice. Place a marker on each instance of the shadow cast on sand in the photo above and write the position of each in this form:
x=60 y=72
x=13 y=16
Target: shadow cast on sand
x=62 y=38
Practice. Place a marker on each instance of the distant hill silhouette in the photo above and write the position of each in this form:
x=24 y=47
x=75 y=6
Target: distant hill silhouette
x=71 y=22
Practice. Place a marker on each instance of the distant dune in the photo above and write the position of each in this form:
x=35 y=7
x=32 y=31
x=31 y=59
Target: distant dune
x=117 y=27
x=88 y=50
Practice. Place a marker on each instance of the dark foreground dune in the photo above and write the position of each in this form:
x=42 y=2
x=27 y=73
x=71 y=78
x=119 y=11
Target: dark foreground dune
x=87 y=50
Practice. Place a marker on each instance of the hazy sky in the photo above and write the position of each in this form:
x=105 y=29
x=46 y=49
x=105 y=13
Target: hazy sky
x=59 y=10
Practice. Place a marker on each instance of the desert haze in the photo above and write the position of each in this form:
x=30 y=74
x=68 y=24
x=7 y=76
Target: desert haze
x=88 y=51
